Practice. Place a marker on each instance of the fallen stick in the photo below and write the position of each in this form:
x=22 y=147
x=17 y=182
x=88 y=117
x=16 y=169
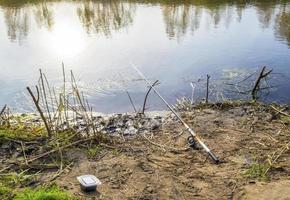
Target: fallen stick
x=57 y=149
x=24 y=154
x=280 y=111
x=4 y=169
x=164 y=148
x=154 y=143
x=60 y=171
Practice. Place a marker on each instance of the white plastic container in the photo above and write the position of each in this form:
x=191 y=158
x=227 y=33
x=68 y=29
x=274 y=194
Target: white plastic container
x=88 y=183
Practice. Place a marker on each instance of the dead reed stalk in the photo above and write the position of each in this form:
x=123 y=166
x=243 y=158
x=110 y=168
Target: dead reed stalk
x=56 y=107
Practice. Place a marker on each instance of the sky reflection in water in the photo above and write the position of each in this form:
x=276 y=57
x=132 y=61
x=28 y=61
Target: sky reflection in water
x=175 y=43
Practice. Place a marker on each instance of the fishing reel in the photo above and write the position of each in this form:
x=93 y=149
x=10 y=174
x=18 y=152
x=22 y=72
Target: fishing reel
x=192 y=143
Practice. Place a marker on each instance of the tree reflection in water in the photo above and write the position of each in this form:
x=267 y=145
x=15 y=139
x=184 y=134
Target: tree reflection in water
x=44 y=15
x=180 y=17
x=16 y=20
x=106 y=16
x=282 y=28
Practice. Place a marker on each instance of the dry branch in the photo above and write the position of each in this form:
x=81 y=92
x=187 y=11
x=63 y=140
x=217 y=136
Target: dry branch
x=131 y=101
x=146 y=96
x=58 y=149
x=207 y=88
x=256 y=87
x=3 y=110
x=36 y=102
x=280 y=111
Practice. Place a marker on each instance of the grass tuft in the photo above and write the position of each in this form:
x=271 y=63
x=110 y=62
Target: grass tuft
x=44 y=193
x=257 y=170
x=92 y=152
x=5 y=192
x=20 y=133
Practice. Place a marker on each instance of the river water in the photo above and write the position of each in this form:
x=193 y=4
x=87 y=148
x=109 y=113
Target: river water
x=175 y=42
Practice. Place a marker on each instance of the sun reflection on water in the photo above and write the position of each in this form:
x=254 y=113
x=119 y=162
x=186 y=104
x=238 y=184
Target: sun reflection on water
x=66 y=40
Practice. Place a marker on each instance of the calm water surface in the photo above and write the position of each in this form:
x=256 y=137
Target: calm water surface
x=174 y=42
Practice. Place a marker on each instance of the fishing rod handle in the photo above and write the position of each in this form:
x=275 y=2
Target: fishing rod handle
x=213 y=157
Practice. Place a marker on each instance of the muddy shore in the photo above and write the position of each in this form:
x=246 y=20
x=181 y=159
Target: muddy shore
x=251 y=139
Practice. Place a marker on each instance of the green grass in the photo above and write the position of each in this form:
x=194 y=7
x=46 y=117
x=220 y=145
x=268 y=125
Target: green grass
x=43 y=193
x=20 y=133
x=92 y=152
x=5 y=192
x=285 y=119
x=11 y=184
x=257 y=170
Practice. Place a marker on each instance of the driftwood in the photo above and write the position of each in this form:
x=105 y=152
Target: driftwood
x=256 y=88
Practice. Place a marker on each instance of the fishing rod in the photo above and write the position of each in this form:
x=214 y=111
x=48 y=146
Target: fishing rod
x=193 y=134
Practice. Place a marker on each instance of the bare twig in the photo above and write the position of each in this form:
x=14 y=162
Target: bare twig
x=59 y=172
x=164 y=147
x=58 y=149
x=146 y=96
x=256 y=87
x=192 y=92
x=207 y=88
x=6 y=168
x=36 y=102
x=45 y=95
x=272 y=160
x=280 y=111
x=3 y=109
x=131 y=101
x=24 y=154
x=154 y=143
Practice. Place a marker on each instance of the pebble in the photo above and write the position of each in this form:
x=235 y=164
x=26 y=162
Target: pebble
x=122 y=124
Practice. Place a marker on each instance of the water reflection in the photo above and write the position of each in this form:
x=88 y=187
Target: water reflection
x=96 y=16
x=282 y=27
x=214 y=35
x=180 y=17
x=16 y=20
x=44 y=15
x=105 y=16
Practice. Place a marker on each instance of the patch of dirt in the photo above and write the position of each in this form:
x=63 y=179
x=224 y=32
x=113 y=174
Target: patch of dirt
x=278 y=190
x=159 y=165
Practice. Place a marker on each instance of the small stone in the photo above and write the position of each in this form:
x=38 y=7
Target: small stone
x=130 y=131
x=5 y=146
x=209 y=111
x=179 y=171
x=116 y=186
x=149 y=189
